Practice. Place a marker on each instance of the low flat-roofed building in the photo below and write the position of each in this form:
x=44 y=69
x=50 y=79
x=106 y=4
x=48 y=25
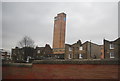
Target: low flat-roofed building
x=4 y=54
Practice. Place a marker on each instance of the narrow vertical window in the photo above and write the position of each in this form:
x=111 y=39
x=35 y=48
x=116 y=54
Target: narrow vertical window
x=80 y=55
x=69 y=56
x=111 y=46
x=70 y=49
x=112 y=55
x=38 y=51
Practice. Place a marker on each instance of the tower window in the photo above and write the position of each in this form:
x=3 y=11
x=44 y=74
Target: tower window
x=55 y=18
x=64 y=19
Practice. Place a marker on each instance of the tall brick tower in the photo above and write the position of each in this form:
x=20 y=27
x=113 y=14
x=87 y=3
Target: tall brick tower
x=59 y=33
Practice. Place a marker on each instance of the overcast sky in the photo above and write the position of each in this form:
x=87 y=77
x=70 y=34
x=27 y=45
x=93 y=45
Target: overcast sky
x=85 y=21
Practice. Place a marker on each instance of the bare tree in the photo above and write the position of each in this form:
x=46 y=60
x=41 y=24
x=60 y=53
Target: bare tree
x=26 y=42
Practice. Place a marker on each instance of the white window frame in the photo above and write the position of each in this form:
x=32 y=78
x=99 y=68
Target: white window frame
x=69 y=56
x=111 y=46
x=38 y=51
x=80 y=56
x=111 y=55
x=70 y=48
x=80 y=48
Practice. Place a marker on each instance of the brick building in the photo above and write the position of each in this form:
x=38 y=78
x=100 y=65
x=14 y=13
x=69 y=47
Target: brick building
x=112 y=49
x=43 y=52
x=87 y=50
x=74 y=51
x=59 y=34
x=92 y=50
x=22 y=54
x=102 y=51
x=27 y=53
x=4 y=54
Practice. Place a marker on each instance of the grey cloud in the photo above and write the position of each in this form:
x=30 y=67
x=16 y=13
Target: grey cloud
x=85 y=21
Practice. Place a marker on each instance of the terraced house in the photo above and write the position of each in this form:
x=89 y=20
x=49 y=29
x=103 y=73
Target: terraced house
x=27 y=53
x=22 y=54
x=74 y=51
x=87 y=50
x=43 y=52
x=112 y=49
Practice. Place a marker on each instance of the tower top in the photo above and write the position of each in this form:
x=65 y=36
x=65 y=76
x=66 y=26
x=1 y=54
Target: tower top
x=61 y=13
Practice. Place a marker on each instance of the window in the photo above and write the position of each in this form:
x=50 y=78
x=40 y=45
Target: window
x=80 y=55
x=3 y=57
x=38 y=51
x=64 y=19
x=69 y=56
x=112 y=55
x=70 y=49
x=55 y=56
x=14 y=53
x=55 y=18
x=111 y=46
x=80 y=48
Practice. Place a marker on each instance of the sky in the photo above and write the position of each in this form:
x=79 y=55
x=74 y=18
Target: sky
x=85 y=21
